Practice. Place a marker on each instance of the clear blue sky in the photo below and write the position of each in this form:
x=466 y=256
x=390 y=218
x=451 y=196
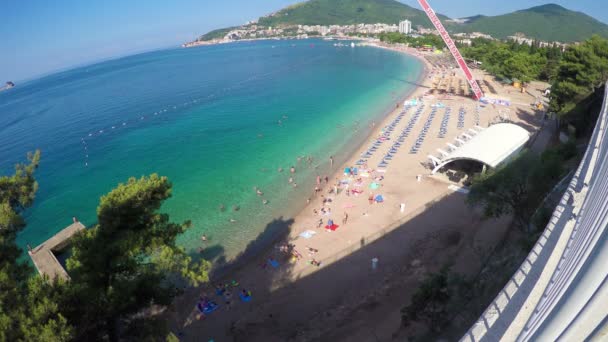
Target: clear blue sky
x=40 y=36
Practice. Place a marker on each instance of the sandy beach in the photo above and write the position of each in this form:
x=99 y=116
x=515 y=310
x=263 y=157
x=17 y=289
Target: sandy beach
x=310 y=271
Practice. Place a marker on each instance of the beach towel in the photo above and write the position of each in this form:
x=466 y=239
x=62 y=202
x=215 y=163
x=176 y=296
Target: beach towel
x=207 y=308
x=333 y=227
x=348 y=206
x=307 y=234
x=381 y=170
x=364 y=174
x=273 y=263
x=347 y=170
x=374 y=186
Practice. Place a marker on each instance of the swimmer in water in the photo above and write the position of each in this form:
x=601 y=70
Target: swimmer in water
x=232 y=221
x=285 y=116
x=204 y=237
x=265 y=201
x=280 y=122
x=290 y=180
x=260 y=193
x=222 y=207
x=280 y=169
x=236 y=208
x=292 y=169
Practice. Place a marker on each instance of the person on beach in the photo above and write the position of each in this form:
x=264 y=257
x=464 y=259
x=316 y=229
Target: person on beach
x=331 y=161
x=345 y=218
x=312 y=250
x=227 y=298
x=326 y=180
x=318 y=180
x=295 y=185
x=371 y=198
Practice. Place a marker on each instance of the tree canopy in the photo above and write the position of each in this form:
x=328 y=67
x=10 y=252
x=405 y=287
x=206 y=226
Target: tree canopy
x=128 y=261
x=399 y=38
x=28 y=306
x=518 y=187
x=583 y=68
x=513 y=60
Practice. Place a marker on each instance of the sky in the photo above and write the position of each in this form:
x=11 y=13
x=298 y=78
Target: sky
x=38 y=37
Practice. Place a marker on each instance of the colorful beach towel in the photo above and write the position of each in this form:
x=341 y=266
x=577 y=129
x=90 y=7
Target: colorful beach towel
x=333 y=227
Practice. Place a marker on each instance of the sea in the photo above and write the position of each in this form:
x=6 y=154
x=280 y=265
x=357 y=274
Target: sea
x=219 y=121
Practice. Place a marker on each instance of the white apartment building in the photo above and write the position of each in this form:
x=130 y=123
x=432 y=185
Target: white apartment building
x=405 y=27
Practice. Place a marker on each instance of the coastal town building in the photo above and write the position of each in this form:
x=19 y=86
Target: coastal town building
x=521 y=39
x=405 y=27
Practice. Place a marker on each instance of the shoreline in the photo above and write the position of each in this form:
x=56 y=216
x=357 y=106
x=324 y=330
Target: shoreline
x=244 y=257
x=335 y=275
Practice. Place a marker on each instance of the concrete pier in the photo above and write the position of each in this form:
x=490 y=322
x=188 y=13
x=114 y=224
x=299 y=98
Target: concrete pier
x=44 y=258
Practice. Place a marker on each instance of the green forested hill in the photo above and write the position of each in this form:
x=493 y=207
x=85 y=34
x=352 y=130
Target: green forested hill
x=346 y=12
x=547 y=22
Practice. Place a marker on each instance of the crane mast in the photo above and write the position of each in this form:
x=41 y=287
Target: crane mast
x=452 y=47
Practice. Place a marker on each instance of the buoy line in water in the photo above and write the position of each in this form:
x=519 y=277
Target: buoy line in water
x=134 y=121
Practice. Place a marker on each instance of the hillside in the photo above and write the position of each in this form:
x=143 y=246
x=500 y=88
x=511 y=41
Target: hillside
x=547 y=22
x=346 y=12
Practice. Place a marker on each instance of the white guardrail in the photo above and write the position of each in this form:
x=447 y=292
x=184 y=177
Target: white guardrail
x=560 y=292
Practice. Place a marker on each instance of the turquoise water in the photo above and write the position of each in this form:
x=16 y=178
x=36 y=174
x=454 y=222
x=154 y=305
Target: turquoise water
x=206 y=117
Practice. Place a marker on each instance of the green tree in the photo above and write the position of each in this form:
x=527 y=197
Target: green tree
x=28 y=307
x=127 y=262
x=429 y=303
x=516 y=188
x=583 y=68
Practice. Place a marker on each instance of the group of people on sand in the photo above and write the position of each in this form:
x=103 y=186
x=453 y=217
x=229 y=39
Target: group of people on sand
x=206 y=305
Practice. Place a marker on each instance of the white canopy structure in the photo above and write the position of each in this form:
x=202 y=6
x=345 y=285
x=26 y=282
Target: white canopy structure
x=490 y=146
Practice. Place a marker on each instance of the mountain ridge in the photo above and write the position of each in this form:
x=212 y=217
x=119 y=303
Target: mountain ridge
x=549 y=22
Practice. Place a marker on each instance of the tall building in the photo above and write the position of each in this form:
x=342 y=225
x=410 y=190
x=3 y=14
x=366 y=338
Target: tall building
x=405 y=27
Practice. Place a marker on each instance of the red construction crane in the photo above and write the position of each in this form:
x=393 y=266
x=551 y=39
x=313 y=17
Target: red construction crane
x=453 y=49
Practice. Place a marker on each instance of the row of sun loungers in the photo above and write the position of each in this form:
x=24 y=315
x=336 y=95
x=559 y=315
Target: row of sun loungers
x=425 y=129
x=461 y=114
x=443 y=129
x=401 y=139
x=384 y=137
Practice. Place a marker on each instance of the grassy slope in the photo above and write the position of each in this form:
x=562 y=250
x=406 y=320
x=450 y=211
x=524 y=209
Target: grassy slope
x=547 y=22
